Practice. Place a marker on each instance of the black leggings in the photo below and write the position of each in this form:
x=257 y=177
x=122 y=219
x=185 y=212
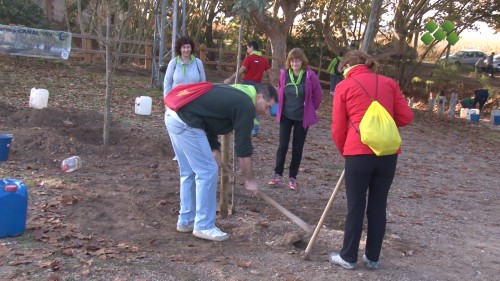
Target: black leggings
x=373 y=175
x=299 y=138
x=481 y=104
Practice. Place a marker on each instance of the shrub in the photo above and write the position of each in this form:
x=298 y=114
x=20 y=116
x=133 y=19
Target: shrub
x=22 y=12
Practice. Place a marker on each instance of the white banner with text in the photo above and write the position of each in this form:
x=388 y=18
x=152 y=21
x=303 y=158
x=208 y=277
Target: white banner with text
x=32 y=42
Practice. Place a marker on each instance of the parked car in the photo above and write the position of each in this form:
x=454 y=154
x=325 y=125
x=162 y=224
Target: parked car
x=466 y=57
x=496 y=62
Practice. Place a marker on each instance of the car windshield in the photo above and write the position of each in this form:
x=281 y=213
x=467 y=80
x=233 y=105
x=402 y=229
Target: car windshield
x=459 y=54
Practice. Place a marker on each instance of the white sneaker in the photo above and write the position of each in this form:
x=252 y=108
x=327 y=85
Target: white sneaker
x=213 y=234
x=371 y=264
x=185 y=228
x=337 y=259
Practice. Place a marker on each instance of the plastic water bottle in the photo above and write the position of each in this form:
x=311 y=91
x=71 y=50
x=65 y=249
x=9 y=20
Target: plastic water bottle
x=70 y=164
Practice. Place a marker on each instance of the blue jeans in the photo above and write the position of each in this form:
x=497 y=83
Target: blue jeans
x=334 y=80
x=255 y=129
x=198 y=174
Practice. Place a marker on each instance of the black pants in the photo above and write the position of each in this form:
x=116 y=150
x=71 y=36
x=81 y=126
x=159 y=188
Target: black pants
x=299 y=138
x=490 y=70
x=373 y=175
x=481 y=104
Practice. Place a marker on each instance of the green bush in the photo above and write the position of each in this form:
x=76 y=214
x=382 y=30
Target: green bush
x=22 y=12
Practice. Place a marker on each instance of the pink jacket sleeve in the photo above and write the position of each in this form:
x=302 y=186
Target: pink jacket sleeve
x=316 y=90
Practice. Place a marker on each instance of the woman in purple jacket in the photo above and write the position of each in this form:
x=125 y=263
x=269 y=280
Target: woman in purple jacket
x=299 y=96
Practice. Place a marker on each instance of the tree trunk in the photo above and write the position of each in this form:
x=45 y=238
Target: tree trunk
x=277 y=28
x=108 y=79
x=278 y=47
x=372 y=28
x=80 y=20
x=209 y=32
x=277 y=34
x=430 y=105
x=224 y=177
x=68 y=25
x=453 y=104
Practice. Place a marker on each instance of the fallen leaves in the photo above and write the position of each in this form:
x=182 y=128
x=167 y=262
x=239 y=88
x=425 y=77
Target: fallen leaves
x=3 y=250
x=177 y=258
x=244 y=264
x=68 y=199
x=53 y=265
x=19 y=262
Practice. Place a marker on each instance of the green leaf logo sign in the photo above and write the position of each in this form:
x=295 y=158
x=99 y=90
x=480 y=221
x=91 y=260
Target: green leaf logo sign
x=434 y=32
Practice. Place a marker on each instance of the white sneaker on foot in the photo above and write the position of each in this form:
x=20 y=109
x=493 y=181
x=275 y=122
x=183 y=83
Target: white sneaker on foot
x=337 y=259
x=185 y=228
x=213 y=234
x=371 y=264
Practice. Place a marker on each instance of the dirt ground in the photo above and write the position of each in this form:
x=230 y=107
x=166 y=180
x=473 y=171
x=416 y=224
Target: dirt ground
x=114 y=218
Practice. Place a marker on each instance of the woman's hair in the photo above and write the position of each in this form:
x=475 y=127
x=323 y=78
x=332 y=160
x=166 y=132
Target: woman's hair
x=358 y=57
x=183 y=41
x=296 y=53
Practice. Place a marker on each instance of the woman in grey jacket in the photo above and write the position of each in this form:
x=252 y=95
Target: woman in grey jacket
x=184 y=68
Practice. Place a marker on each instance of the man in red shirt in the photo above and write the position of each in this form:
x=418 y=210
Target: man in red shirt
x=253 y=68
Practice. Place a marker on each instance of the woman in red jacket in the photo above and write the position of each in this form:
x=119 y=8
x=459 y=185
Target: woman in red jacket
x=365 y=173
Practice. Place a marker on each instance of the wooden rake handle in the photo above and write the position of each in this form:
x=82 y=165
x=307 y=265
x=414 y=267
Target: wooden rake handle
x=298 y=221
x=323 y=216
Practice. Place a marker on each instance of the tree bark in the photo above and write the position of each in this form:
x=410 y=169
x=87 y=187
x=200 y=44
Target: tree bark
x=109 y=67
x=372 y=27
x=453 y=104
x=277 y=28
x=80 y=20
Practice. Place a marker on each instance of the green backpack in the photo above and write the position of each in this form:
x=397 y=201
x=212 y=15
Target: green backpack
x=377 y=128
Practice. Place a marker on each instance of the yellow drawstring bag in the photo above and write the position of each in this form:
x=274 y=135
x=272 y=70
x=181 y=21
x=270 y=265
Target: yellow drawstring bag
x=378 y=129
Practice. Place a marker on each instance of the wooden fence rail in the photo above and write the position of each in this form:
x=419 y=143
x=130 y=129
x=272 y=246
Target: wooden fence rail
x=226 y=59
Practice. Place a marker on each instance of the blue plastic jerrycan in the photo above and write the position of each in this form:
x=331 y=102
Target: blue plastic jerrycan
x=273 y=110
x=13 y=207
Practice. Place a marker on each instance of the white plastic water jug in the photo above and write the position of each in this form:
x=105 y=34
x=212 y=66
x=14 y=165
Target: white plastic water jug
x=472 y=111
x=463 y=112
x=143 y=105
x=39 y=98
x=494 y=112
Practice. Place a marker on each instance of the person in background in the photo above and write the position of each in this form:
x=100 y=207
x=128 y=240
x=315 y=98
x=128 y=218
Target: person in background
x=480 y=65
x=253 y=67
x=366 y=175
x=441 y=101
x=184 y=68
x=467 y=102
x=194 y=130
x=335 y=74
x=489 y=65
x=480 y=97
x=299 y=96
